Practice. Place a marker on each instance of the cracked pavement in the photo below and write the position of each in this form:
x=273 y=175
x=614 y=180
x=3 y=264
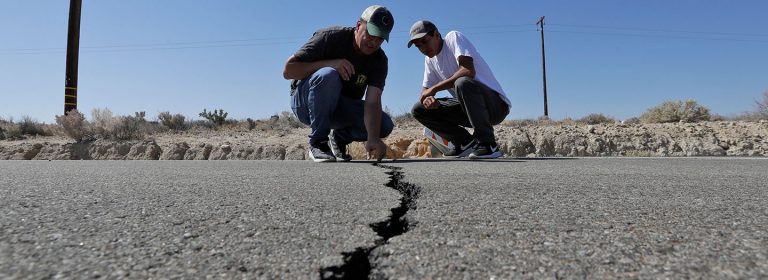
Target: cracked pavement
x=511 y=218
x=185 y=219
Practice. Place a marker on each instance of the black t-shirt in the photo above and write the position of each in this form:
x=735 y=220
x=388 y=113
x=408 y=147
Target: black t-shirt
x=338 y=42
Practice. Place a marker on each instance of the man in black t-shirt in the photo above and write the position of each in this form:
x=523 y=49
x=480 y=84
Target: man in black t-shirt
x=331 y=73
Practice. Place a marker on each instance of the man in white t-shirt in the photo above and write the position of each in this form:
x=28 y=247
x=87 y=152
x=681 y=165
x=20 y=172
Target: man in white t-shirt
x=452 y=63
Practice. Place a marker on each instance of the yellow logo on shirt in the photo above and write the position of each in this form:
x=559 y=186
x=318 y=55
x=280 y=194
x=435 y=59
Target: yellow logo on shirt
x=361 y=79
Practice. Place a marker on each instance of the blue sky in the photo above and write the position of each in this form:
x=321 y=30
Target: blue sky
x=618 y=58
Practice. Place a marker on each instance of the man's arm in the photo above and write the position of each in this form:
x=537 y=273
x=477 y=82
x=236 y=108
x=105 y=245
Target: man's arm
x=466 y=69
x=372 y=117
x=295 y=69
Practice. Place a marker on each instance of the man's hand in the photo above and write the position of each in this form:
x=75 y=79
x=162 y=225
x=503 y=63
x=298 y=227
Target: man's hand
x=344 y=67
x=376 y=149
x=430 y=102
x=427 y=92
x=295 y=69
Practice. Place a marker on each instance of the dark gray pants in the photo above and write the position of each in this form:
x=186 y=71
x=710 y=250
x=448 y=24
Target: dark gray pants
x=477 y=106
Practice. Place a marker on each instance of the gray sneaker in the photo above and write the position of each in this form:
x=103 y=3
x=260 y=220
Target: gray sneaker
x=462 y=150
x=339 y=150
x=320 y=153
x=490 y=150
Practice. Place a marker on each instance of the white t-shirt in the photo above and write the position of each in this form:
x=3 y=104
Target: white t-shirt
x=443 y=65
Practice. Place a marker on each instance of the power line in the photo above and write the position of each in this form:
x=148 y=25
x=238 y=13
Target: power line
x=184 y=44
x=660 y=36
x=298 y=40
x=662 y=30
x=189 y=45
x=159 y=44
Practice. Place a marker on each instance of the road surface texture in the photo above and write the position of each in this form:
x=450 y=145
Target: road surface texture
x=433 y=219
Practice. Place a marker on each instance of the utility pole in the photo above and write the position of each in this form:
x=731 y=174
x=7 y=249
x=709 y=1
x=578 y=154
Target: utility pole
x=73 y=50
x=540 y=24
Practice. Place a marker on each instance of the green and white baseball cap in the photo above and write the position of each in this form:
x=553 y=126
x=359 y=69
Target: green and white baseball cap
x=379 y=21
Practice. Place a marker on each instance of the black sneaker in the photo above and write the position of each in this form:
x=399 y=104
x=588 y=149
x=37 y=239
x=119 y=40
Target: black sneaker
x=490 y=150
x=339 y=150
x=321 y=152
x=462 y=150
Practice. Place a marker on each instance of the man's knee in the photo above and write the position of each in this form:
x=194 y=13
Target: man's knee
x=418 y=111
x=326 y=76
x=464 y=82
x=387 y=125
x=325 y=88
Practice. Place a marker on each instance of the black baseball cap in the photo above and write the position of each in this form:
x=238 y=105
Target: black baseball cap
x=420 y=29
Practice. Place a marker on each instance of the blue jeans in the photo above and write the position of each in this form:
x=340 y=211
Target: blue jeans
x=318 y=103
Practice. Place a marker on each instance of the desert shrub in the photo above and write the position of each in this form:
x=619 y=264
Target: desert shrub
x=217 y=117
x=286 y=120
x=546 y=121
x=29 y=126
x=567 y=121
x=13 y=133
x=74 y=124
x=5 y=127
x=632 y=120
x=404 y=118
x=399 y=119
x=251 y=124
x=201 y=124
x=175 y=122
x=761 y=107
x=596 y=118
x=279 y=123
x=129 y=128
x=291 y=119
x=519 y=123
x=140 y=115
x=717 y=117
x=103 y=121
x=675 y=111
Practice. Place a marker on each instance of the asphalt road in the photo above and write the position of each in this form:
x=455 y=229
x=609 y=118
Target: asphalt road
x=514 y=218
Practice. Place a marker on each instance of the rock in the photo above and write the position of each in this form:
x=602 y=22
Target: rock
x=419 y=148
x=274 y=152
x=30 y=153
x=146 y=150
x=200 y=152
x=221 y=153
x=297 y=152
x=176 y=151
x=109 y=150
x=397 y=148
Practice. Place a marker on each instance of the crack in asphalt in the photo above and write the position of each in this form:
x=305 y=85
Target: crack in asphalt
x=357 y=264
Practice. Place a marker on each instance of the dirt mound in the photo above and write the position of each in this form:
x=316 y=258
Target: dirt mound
x=679 y=139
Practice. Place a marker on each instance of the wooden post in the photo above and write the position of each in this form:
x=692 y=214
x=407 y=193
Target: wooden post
x=540 y=23
x=73 y=49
